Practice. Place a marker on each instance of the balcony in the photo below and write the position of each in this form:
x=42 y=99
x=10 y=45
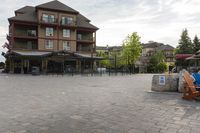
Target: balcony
x=169 y=55
x=67 y=22
x=84 y=48
x=25 y=45
x=25 y=34
x=48 y=20
x=85 y=38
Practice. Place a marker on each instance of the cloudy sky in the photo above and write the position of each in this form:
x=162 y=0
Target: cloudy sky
x=155 y=20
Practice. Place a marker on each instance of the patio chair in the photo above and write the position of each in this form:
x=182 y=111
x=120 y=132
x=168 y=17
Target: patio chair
x=197 y=78
x=190 y=91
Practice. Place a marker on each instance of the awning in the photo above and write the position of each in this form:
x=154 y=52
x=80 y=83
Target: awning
x=183 y=56
x=87 y=56
x=32 y=53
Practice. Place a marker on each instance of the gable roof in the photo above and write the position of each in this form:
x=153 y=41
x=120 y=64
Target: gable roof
x=29 y=14
x=25 y=9
x=57 y=5
x=166 y=47
x=82 y=22
x=151 y=44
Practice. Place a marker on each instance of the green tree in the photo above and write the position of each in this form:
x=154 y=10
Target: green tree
x=185 y=45
x=196 y=44
x=156 y=63
x=131 y=49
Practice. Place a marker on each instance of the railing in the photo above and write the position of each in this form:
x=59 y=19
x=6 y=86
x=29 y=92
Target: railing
x=68 y=23
x=48 y=20
x=81 y=37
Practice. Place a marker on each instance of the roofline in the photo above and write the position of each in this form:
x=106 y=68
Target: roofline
x=28 y=22
x=50 y=9
x=85 y=28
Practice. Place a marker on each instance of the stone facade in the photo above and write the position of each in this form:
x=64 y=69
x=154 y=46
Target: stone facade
x=171 y=83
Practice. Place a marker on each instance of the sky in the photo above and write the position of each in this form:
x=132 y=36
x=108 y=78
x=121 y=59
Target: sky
x=153 y=20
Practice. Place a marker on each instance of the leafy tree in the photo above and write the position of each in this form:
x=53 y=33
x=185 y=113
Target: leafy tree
x=131 y=49
x=196 y=44
x=156 y=63
x=185 y=45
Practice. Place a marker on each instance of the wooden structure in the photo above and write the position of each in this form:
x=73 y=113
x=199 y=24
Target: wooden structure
x=190 y=91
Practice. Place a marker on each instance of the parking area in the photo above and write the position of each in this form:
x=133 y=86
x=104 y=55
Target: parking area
x=98 y=104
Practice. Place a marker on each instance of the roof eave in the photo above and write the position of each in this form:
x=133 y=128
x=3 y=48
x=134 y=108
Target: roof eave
x=23 y=21
x=94 y=29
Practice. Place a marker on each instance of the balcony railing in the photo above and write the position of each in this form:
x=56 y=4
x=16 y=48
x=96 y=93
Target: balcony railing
x=68 y=23
x=48 y=20
x=81 y=37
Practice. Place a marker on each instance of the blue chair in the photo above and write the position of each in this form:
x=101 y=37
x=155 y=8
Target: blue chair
x=197 y=78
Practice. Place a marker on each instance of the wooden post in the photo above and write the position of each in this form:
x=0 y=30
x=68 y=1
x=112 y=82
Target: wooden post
x=46 y=66
x=11 y=67
x=22 y=66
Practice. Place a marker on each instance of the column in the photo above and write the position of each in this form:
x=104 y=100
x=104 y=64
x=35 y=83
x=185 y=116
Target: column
x=11 y=66
x=22 y=66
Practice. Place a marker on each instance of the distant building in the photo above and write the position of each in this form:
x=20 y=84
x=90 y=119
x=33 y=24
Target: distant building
x=148 y=49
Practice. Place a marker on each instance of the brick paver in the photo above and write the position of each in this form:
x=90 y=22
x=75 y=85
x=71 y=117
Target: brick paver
x=81 y=104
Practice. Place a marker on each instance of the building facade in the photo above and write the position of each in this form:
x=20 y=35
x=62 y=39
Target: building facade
x=51 y=36
x=148 y=49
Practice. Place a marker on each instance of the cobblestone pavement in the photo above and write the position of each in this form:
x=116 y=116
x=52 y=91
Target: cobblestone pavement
x=116 y=104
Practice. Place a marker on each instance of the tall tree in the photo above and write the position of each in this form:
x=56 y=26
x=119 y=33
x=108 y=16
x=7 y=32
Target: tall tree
x=185 y=44
x=131 y=49
x=157 y=63
x=196 y=44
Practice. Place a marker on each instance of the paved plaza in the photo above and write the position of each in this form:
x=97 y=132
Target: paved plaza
x=100 y=104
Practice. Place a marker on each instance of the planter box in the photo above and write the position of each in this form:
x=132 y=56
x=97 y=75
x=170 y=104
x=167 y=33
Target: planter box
x=165 y=83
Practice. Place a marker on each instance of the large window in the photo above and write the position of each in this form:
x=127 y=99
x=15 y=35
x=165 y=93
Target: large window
x=67 y=20
x=48 y=18
x=49 y=31
x=49 y=44
x=66 y=45
x=66 y=33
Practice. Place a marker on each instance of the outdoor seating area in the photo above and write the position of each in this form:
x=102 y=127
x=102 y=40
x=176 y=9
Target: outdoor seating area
x=191 y=90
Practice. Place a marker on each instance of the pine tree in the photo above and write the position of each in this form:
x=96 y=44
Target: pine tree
x=196 y=44
x=185 y=44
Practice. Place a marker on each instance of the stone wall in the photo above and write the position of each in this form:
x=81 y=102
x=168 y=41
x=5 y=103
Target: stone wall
x=170 y=84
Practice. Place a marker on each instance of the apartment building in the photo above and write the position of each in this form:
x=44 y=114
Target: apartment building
x=51 y=36
x=148 y=49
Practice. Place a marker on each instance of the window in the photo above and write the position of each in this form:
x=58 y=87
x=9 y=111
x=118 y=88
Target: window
x=51 y=18
x=49 y=31
x=67 y=20
x=49 y=44
x=48 y=18
x=79 y=37
x=66 y=33
x=66 y=45
x=45 y=17
x=31 y=32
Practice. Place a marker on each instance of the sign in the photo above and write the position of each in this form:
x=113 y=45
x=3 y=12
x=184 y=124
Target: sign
x=161 y=80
